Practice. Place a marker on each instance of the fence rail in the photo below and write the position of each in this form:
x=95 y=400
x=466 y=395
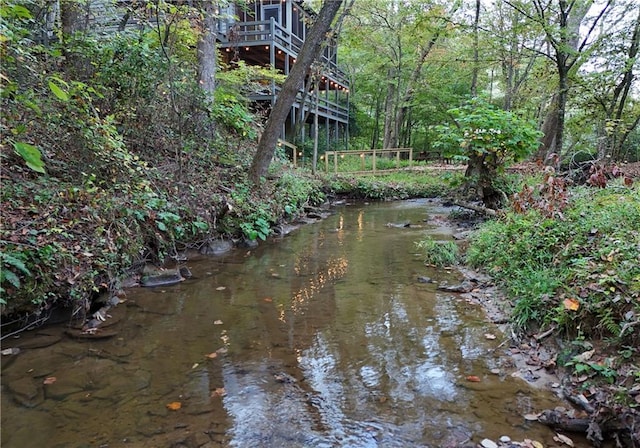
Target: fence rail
x=369 y=159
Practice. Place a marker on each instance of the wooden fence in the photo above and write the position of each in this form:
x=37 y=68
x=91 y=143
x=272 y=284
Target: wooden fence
x=372 y=159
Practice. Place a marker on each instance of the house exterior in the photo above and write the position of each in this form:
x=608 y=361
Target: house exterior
x=271 y=33
x=262 y=32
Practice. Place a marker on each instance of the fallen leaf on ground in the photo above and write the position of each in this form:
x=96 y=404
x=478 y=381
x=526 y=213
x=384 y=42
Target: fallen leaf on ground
x=563 y=439
x=531 y=417
x=584 y=356
x=221 y=288
x=268 y=299
x=571 y=304
x=217 y=322
x=195 y=365
x=50 y=380
x=212 y=355
x=489 y=336
x=174 y=406
x=222 y=350
x=473 y=379
x=219 y=392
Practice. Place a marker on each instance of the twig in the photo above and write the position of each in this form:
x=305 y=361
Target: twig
x=28 y=327
x=543 y=335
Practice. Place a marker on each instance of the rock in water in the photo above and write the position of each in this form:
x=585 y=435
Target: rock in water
x=486 y=443
x=217 y=247
x=423 y=279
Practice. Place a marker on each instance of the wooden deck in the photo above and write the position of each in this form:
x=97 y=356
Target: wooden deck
x=268 y=43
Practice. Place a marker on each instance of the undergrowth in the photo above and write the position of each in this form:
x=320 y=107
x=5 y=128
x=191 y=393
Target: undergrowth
x=577 y=269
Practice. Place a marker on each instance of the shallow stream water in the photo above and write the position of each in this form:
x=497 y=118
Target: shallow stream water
x=322 y=338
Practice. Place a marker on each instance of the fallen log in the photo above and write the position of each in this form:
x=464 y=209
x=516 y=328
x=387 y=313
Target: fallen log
x=622 y=426
x=476 y=208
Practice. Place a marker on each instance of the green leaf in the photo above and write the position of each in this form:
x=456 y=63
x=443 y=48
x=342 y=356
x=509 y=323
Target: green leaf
x=15 y=11
x=10 y=260
x=11 y=278
x=57 y=91
x=31 y=155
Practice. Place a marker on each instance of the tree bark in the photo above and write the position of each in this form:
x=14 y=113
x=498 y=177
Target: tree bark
x=549 y=126
x=476 y=68
x=389 y=110
x=207 y=56
x=308 y=53
x=74 y=19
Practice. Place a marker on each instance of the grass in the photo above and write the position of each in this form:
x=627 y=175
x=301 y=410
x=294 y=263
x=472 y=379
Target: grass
x=580 y=270
x=438 y=253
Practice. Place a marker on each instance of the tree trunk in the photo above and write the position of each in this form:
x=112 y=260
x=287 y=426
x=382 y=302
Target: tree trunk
x=549 y=126
x=375 y=138
x=567 y=48
x=207 y=56
x=314 y=164
x=74 y=19
x=474 y=74
x=481 y=172
x=390 y=110
x=308 y=53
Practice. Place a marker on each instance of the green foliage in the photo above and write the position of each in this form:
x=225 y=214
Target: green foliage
x=230 y=111
x=31 y=155
x=480 y=129
x=230 y=107
x=297 y=190
x=583 y=366
x=259 y=228
x=438 y=253
x=395 y=185
x=11 y=267
x=588 y=255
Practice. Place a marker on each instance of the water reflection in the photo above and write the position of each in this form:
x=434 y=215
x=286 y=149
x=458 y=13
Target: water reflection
x=323 y=338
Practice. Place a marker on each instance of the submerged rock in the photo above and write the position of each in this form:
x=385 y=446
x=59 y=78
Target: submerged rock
x=217 y=247
x=424 y=279
x=163 y=278
x=26 y=392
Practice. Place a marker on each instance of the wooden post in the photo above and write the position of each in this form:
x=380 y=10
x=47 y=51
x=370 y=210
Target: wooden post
x=398 y=159
x=335 y=162
x=374 y=160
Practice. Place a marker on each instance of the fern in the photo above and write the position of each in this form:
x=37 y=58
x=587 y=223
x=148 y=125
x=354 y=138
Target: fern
x=9 y=263
x=608 y=321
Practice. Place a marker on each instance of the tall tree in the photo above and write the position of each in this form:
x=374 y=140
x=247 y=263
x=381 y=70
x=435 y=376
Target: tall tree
x=616 y=129
x=308 y=53
x=514 y=46
x=561 y=24
x=404 y=35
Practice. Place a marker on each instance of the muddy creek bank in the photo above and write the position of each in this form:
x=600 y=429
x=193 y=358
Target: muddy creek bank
x=322 y=338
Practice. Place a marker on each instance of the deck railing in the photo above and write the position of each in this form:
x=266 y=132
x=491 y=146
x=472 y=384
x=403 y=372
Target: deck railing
x=267 y=32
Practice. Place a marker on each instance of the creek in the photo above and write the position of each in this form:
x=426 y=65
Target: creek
x=322 y=338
